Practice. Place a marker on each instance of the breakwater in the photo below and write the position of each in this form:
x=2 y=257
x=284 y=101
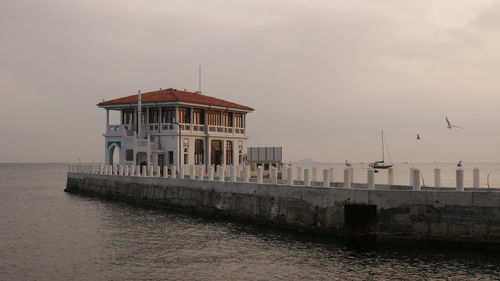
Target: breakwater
x=383 y=212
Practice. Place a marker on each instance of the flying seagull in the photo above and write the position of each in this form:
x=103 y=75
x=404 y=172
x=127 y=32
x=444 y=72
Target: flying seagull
x=418 y=137
x=347 y=164
x=459 y=164
x=450 y=126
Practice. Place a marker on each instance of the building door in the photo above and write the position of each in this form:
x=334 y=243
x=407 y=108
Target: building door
x=216 y=152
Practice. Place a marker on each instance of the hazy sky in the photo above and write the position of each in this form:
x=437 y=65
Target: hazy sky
x=324 y=76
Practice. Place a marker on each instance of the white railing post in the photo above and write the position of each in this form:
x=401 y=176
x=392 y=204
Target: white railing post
x=370 y=179
x=150 y=171
x=132 y=170
x=411 y=176
x=347 y=178
x=246 y=174
x=260 y=174
x=437 y=177
x=165 y=171
x=181 y=172
x=307 y=177
x=326 y=177
x=233 y=173
x=299 y=173
x=273 y=175
x=416 y=179
x=192 y=171
x=284 y=172
x=314 y=176
x=390 y=176
x=158 y=171
x=460 y=179
x=290 y=176
x=144 y=171
x=330 y=170
x=475 y=178
x=138 y=171
x=200 y=172
x=222 y=173
x=210 y=172
x=173 y=172
x=120 y=170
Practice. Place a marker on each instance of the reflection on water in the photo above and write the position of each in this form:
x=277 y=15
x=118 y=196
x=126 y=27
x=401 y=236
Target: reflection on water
x=47 y=234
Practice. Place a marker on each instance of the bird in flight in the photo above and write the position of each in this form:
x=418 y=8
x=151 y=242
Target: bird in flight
x=450 y=126
x=459 y=164
x=418 y=137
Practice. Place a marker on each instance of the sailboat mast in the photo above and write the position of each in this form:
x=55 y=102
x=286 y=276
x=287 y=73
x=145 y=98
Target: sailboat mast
x=383 y=160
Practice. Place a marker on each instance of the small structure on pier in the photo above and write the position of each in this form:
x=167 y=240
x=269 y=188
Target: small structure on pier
x=265 y=156
x=173 y=127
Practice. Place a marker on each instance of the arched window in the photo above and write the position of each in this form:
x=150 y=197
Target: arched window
x=198 y=152
x=229 y=152
x=186 y=156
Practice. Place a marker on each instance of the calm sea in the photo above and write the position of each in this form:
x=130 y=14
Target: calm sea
x=46 y=234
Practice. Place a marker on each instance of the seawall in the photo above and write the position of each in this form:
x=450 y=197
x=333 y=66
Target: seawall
x=467 y=218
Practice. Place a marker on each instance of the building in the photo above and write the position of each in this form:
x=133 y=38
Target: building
x=265 y=156
x=173 y=127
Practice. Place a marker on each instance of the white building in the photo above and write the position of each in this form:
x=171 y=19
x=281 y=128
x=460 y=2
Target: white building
x=176 y=127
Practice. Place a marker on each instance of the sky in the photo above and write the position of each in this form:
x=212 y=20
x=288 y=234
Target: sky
x=325 y=77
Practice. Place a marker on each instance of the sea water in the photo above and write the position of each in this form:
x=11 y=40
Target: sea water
x=47 y=234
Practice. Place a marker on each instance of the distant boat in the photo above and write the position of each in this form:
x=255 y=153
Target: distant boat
x=381 y=164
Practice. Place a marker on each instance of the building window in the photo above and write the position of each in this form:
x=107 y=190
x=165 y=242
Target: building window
x=228 y=119
x=198 y=152
x=186 y=156
x=129 y=155
x=229 y=152
x=198 y=116
x=153 y=115
x=184 y=115
x=170 y=157
x=240 y=157
x=216 y=152
x=128 y=116
x=168 y=114
x=238 y=120
x=214 y=118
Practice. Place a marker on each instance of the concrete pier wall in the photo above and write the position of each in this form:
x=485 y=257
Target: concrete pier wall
x=470 y=218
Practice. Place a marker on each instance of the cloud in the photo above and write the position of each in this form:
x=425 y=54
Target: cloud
x=338 y=71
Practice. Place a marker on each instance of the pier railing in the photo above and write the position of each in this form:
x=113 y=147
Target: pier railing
x=286 y=175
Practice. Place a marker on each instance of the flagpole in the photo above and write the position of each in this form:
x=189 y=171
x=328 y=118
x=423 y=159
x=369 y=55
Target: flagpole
x=139 y=114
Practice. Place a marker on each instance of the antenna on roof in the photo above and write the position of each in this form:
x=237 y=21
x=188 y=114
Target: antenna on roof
x=199 y=79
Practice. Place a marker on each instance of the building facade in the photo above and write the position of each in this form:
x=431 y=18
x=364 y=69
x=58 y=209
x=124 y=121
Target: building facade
x=173 y=127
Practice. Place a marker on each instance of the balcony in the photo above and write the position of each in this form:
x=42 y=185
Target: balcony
x=123 y=130
x=119 y=130
x=226 y=130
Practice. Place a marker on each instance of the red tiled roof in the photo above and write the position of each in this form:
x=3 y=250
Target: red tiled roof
x=175 y=95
